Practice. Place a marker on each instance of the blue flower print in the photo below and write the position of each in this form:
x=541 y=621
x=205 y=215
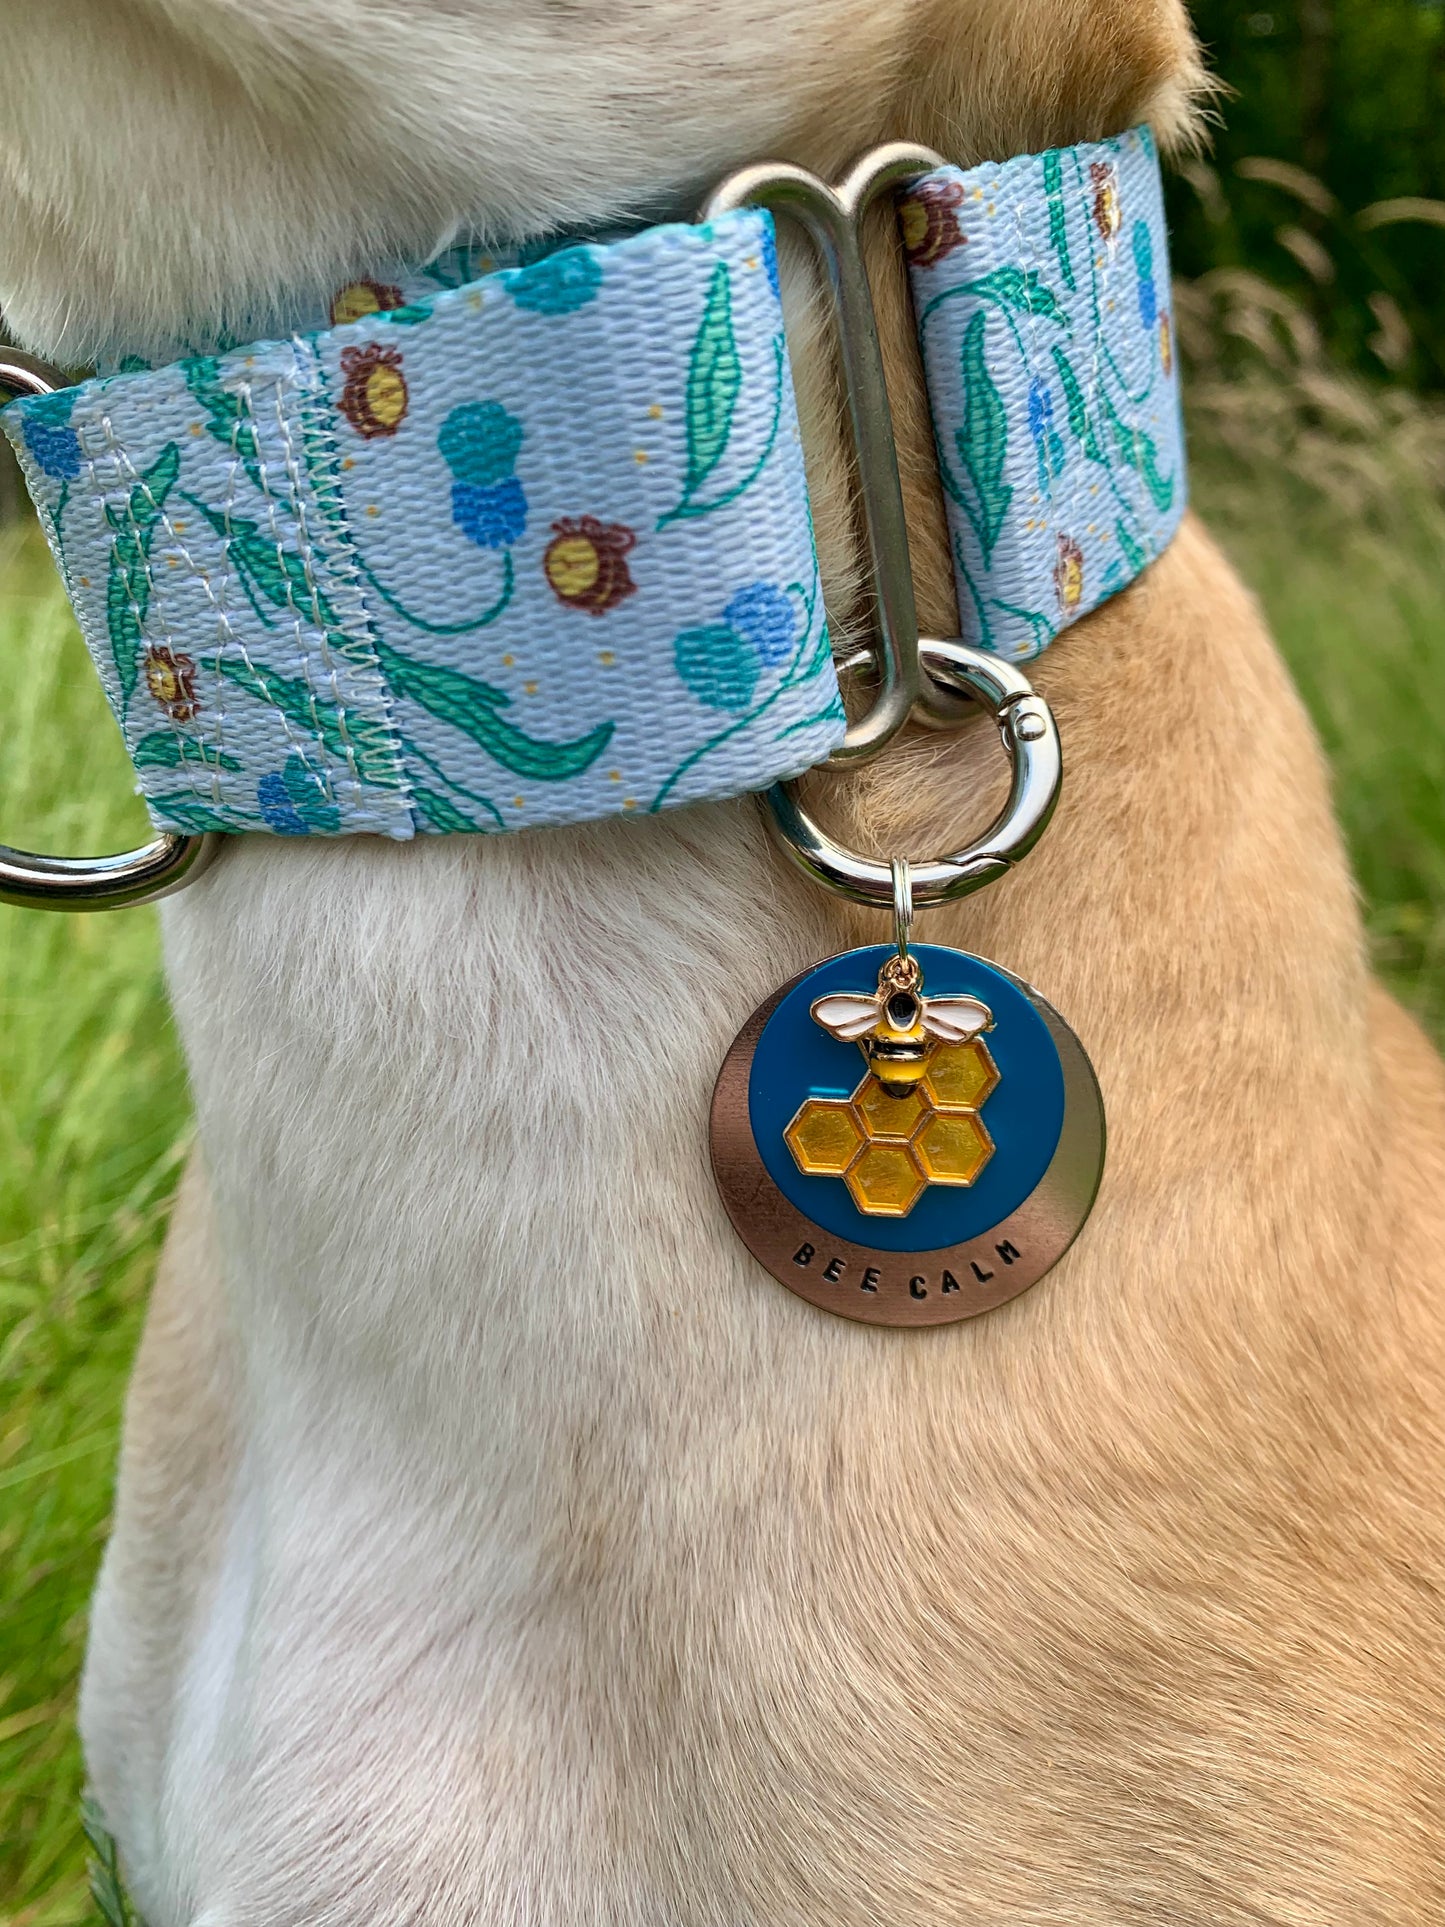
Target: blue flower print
x=770 y=259
x=293 y=802
x=560 y=284
x=493 y=517
x=53 y=443
x=1047 y=443
x=480 y=443
x=1144 y=268
x=763 y=616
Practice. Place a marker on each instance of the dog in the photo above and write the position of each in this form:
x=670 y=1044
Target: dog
x=494 y=1540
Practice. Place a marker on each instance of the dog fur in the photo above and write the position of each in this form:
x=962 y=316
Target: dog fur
x=494 y=1541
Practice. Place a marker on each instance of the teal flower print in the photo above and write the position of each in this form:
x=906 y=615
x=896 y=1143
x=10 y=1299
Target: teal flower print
x=718 y=665
x=53 y=443
x=480 y=442
x=559 y=284
x=722 y=662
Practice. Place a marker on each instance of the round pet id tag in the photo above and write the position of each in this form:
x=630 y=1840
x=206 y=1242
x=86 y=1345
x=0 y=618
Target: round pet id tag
x=907 y=1138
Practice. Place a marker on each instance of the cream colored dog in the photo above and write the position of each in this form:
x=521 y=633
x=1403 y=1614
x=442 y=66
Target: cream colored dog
x=495 y=1542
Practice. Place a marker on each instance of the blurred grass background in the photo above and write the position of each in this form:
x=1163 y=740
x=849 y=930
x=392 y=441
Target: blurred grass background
x=1312 y=271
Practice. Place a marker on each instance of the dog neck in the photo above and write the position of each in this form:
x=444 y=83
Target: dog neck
x=478 y=1456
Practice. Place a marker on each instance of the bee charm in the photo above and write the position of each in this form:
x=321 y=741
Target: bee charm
x=939 y=1178
x=897 y=1027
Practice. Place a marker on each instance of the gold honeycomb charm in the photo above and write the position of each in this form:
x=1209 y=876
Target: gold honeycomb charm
x=888 y=1150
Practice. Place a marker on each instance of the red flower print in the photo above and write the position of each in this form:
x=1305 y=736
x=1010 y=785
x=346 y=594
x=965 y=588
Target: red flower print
x=1069 y=573
x=586 y=563
x=375 y=398
x=928 y=218
x=171 y=680
x=358 y=299
x=1108 y=214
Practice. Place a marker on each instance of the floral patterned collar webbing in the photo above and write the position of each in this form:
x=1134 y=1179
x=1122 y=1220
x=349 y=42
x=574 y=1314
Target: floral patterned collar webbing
x=501 y=547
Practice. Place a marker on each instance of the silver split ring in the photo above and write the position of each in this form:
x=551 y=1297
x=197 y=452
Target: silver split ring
x=1029 y=734
x=99 y=882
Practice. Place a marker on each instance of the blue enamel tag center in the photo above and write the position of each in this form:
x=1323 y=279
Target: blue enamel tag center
x=1023 y=1114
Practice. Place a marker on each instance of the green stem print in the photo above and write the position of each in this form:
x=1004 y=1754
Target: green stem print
x=1085 y=432
x=434 y=807
x=985 y=628
x=473 y=707
x=465 y=628
x=1138 y=450
x=1040 y=628
x=714 y=381
x=128 y=588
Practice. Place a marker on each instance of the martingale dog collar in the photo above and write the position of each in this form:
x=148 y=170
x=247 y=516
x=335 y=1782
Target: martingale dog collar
x=507 y=546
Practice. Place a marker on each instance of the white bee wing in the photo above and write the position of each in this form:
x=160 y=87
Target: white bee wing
x=848 y=1018
x=956 y=1019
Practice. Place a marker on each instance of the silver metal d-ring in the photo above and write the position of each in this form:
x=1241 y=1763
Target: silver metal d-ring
x=99 y=882
x=832 y=216
x=1029 y=735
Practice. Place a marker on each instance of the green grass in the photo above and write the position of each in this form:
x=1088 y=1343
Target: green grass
x=93 y=1113
x=1360 y=615
x=93 y=1109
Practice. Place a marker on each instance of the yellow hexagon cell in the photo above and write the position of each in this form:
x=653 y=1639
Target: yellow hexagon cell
x=885 y=1181
x=953 y=1147
x=885 y=1116
x=824 y=1137
x=960 y=1076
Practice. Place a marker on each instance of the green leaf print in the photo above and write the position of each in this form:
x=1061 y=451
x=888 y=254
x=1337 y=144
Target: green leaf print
x=1131 y=550
x=439 y=811
x=1058 y=220
x=164 y=751
x=128 y=588
x=982 y=442
x=1079 y=418
x=191 y=815
x=354 y=741
x=472 y=707
x=714 y=381
x=227 y=416
x=1024 y=292
x=1138 y=450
